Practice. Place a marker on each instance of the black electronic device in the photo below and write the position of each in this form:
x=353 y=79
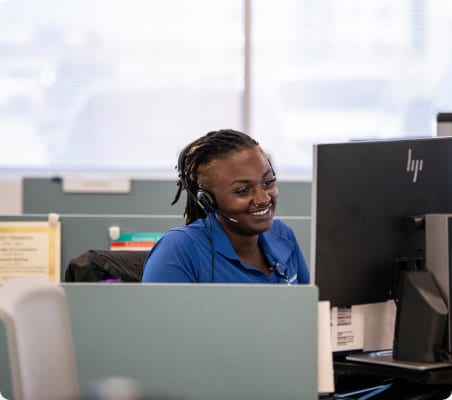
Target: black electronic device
x=444 y=124
x=369 y=199
x=208 y=203
x=364 y=196
x=206 y=199
x=421 y=319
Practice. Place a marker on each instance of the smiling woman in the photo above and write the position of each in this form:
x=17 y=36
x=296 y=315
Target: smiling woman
x=230 y=235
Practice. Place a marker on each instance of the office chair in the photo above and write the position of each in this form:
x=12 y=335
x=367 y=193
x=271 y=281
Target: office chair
x=40 y=344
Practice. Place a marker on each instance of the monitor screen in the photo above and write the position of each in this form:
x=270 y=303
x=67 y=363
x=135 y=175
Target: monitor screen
x=363 y=193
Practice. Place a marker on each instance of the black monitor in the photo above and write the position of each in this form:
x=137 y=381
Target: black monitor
x=368 y=203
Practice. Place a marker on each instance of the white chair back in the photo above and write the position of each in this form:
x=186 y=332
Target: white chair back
x=40 y=343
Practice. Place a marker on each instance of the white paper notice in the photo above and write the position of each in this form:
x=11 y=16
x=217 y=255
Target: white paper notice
x=346 y=329
x=30 y=249
x=367 y=327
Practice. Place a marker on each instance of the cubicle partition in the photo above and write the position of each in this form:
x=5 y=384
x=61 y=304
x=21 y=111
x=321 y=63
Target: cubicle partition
x=80 y=233
x=198 y=342
x=83 y=232
x=45 y=195
x=140 y=331
x=135 y=205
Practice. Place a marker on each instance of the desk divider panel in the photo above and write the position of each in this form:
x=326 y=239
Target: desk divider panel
x=83 y=232
x=45 y=195
x=80 y=233
x=5 y=374
x=198 y=342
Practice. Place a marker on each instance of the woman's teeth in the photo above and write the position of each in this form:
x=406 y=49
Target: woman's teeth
x=263 y=212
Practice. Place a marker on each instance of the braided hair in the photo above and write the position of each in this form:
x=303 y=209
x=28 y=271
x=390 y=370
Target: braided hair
x=198 y=155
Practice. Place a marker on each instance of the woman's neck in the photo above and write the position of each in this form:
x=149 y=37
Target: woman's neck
x=249 y=252
x=245 y=246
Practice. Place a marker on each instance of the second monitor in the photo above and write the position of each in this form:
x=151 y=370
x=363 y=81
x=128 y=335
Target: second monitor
x=369 y=203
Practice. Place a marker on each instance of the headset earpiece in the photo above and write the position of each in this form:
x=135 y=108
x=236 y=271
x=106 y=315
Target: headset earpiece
x=206 y=199
x=208 y=203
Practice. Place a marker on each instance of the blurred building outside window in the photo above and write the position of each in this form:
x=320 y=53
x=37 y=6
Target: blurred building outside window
x=125 y=85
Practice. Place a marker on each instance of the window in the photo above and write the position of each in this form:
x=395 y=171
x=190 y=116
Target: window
x=124 y=85
x=339 y=70
x=109 y=83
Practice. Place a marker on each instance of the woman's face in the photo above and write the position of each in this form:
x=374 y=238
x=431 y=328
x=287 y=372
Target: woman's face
x=244 y=187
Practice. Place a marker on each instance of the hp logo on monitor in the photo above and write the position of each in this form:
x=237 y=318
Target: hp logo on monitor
x=414 y=166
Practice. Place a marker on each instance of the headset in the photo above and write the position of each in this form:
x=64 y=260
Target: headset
x=207 y=202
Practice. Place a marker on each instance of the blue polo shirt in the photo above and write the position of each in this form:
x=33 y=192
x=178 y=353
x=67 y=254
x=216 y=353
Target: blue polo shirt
x=189 y=254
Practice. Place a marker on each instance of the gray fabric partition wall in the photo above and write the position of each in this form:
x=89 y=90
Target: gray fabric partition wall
x=147 y=207
x=80 y=233
x=200 y=342
x=44 y=195
x=83 y=232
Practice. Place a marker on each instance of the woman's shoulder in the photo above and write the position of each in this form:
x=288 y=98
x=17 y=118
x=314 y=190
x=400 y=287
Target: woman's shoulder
x=190 y=231
x=280 y=227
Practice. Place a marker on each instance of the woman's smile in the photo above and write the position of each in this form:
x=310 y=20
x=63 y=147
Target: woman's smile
x=262 y=212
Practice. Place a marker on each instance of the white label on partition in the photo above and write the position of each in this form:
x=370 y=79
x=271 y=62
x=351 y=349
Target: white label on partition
x=96 y=185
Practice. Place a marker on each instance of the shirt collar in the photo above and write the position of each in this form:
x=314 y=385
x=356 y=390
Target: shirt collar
x=276 y=248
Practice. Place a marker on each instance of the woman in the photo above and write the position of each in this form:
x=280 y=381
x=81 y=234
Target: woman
x=230 y=235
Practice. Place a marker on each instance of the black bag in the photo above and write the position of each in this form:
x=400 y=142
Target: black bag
x=104 y=265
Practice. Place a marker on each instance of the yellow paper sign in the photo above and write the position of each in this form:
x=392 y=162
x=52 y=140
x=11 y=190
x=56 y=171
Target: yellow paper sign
x=30 y=249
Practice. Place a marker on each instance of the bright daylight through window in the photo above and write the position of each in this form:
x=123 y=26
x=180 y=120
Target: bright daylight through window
x=122 y=85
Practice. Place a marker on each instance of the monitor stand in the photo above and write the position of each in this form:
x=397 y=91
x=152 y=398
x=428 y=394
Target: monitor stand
x=385 y=358
x=369 y=373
